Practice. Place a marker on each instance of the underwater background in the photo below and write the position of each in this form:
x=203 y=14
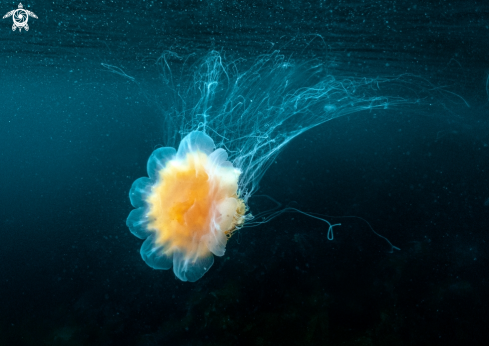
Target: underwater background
x=80 y=114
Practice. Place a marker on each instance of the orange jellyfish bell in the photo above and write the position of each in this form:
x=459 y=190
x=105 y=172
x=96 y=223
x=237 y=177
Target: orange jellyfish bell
x=187 y=208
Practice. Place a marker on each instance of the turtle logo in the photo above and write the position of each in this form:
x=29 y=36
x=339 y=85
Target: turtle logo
x=20 y=17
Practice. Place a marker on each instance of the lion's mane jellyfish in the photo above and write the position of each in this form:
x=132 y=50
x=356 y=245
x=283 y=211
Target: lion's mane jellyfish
x=196 y=197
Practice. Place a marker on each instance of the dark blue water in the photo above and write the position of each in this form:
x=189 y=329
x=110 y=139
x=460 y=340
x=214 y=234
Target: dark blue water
x=74 y=136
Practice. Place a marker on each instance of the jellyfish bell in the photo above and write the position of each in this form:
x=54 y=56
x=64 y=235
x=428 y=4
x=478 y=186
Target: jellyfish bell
x=188 y=206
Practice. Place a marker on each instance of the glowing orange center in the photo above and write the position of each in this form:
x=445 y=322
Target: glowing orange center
x=187 y=202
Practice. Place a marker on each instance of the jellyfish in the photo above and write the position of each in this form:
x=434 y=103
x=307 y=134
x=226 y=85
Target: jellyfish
x=187 y=208
x=233 y=121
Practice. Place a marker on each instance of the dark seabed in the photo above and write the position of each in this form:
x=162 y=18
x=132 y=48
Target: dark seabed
x=75 y=134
